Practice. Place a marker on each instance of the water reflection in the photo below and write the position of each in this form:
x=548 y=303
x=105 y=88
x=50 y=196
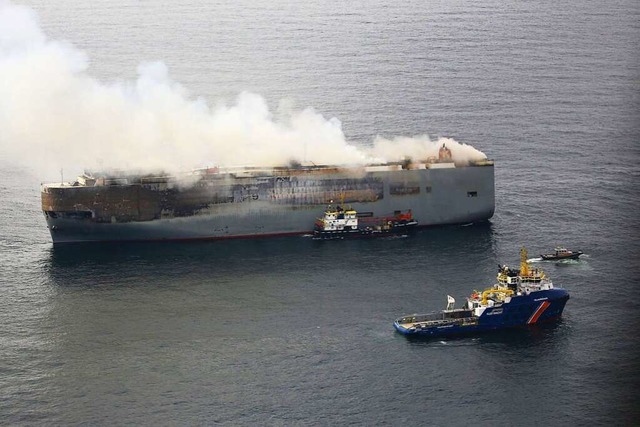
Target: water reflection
x=511 y=339
x=115 y=262
x=446 y=246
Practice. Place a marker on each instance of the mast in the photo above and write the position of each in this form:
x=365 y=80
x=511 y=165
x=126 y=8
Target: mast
x=524 y=267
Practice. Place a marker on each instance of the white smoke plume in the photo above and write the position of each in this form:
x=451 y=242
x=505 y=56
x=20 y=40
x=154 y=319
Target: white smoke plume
x=423 y=148
x=54 y=115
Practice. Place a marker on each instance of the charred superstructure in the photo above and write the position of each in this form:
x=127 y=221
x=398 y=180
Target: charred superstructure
x=251 y=202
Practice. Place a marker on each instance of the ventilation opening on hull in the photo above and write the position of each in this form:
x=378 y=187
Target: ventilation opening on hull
x=472 y=194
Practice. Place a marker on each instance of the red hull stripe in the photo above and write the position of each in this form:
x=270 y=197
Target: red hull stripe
x=536 y=314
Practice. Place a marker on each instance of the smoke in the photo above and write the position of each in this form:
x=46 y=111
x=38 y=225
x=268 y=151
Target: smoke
x=423 y=148
x=54 y=115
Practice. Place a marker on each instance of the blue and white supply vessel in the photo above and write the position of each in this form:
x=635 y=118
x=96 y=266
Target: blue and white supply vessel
x=520 y=298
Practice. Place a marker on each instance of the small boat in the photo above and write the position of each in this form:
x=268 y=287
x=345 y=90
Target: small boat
x=339 y=223
x=561 y=253
x=520 y=298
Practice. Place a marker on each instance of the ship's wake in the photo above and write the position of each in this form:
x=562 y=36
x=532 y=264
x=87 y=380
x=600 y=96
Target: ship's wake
x=560 y=261
x=578 y=261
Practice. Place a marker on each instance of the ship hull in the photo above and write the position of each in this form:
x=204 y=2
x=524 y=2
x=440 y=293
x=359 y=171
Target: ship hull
x=402 y=228
x=523 y=311
x=560 y=257
x=264 y=206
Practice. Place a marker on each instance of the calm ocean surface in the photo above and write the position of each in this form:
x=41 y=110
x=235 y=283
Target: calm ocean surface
x=295 y=332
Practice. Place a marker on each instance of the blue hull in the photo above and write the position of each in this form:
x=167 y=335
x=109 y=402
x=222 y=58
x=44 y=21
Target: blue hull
x=521 y=311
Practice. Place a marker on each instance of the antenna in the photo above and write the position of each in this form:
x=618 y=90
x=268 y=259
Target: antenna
x=61 y=177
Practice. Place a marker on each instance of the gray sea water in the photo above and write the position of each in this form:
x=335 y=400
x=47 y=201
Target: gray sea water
x=295 y=332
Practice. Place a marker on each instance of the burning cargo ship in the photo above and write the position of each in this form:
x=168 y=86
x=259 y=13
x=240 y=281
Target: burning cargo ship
x=219 y=203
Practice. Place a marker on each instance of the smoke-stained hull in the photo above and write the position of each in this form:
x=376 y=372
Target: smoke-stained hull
x=260 y=203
